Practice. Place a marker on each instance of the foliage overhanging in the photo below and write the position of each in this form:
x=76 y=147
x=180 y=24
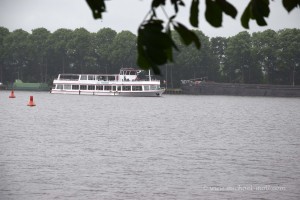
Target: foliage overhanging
x=153 y=54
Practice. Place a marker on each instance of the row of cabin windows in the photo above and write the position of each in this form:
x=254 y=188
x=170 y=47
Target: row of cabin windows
x=99 y=78
x=108 y=87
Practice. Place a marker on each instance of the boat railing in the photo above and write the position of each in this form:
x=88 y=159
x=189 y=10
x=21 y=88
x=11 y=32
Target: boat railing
x=66 y=79
x=135 y=80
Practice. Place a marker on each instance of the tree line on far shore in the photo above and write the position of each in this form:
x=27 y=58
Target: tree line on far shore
x=267 y=57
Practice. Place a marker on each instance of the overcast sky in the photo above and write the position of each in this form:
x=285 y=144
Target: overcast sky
x=125 y=15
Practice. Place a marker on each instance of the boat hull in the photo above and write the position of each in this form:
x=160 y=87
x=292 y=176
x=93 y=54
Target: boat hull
x=156 y=93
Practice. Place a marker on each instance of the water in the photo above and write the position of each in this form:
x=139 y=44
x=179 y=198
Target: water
x=174 y=147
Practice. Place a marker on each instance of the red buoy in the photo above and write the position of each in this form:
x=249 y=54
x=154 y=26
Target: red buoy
x=31 y=103
x=12 y=94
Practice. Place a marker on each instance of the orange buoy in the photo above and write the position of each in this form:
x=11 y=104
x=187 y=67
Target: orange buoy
x=31 y=103
x=12 y=94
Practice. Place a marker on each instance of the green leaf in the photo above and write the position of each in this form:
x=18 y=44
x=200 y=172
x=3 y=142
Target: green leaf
x=181 y=3
x=187 y=36
x=258 y=10
x=154 y=45
x=156 y=3
x=194 y=13
x=213 y=13
x=176 y=3
x=215 y=9
x=227 y=8
x=97 y=7
x=290 y=4
x=246 y=17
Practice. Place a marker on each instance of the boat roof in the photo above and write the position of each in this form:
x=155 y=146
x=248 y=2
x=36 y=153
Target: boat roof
x=89 y=74
x=122 y=69
x=129 y=69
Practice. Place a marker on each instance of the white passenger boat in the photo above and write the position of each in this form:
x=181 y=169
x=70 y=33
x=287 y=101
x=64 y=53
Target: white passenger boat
x=126 y=83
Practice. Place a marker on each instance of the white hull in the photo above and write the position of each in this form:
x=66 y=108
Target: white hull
x=157 y=93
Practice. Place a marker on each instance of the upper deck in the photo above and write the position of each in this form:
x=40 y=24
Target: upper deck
x=125 y=75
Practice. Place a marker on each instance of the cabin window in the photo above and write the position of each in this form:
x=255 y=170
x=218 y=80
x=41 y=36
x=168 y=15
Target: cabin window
x=69 y=77
x=146 y=87
x=137 y=88
x=153 y=87
x=75 y=87
x=53 y=86
x=126 y=88
x=67 y=87
x=83 y=87
x=91 y=87
x=107 y=87
x=91 y=77
x=114 y=88
x=111 y=78
x=59 y=87
x=99 y=87
x=83 y=77
x=119 y=88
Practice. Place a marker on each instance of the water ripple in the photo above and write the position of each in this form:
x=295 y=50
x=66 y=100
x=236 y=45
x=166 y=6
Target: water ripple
x=175 y=147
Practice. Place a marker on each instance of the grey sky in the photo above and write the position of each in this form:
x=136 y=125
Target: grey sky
x=124 y=15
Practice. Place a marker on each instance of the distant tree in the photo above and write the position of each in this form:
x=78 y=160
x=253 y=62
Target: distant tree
x=4 y=32
x=238 y=65
x=218 y=47
x=80 y=50
x=289 y=56
x=103 y=41
x=58 y=42
x=16 y=45
x=265 y=47
x=196 y=64
x=38 y=48
x=39 y=56
x=123 y=50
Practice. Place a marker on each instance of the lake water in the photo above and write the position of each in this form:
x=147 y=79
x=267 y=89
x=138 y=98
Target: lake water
x=174 y=147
